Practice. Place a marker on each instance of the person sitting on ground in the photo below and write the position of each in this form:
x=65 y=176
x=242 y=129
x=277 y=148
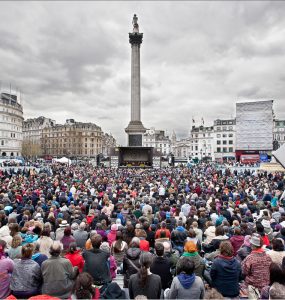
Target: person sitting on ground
x=277 y=253
x=80 y=235
x=67 y=238
x=144 y=282
x=215 y=243
x=186 y=285
x=37 y=256
x=16 y=249
x=26 y=278
x=255 y=267
x=58 y=273
x=6 y=269
x=84 y=288
x=75 y=257
x=226 y=271
x=96 y=262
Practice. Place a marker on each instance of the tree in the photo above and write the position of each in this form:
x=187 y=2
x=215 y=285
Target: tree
x=31 y=149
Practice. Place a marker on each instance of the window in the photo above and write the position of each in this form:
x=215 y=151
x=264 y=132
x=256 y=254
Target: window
x=196 y=148
x=230 y=127
x=231 y=149
x=224 y=142
x=230 y=142
x=218 y=142
x=225 y=150
x=218 y=149
x=224 y=127
x=224 y=135
x=218 y=128
x=231 y=135
x=218 y=135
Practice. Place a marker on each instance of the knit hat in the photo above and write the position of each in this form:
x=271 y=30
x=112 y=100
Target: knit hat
x=190 y=247
x=105 y=247
x=114 y=227
x=255 y=240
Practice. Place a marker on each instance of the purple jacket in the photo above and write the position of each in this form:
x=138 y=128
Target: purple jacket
x=6 y=269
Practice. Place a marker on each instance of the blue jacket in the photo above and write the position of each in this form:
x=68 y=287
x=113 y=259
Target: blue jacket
x=225 y=275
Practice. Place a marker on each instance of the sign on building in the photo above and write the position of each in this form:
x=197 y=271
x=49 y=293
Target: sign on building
x=114 y=162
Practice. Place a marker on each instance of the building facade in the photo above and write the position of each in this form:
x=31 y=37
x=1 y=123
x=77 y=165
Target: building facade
x=108 y=142
x=158 y=140
x=73 y=139
x=11 y=123
x=278 y=134
x=32 y=128
x=224 y=139
x=202 y=146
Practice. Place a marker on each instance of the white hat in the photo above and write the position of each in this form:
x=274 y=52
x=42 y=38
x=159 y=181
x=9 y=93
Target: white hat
x=63 y=223
x=266 y=223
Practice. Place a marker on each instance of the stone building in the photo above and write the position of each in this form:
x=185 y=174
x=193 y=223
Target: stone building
x=73 y=139
x=32 y=128
x=224 y=139
x=158 y=140
x=278 y=133
x=202 y=138
x=11 y=122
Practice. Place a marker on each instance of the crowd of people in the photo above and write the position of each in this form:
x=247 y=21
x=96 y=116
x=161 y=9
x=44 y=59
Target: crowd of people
x=173 y=233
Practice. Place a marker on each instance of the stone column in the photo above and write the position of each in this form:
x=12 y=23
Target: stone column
x=135 y=129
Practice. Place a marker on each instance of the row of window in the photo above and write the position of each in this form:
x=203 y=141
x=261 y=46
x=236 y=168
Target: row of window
x=225 y=142
x=225 y=135
x=225 y=150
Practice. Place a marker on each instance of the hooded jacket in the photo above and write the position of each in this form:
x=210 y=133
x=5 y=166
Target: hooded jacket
x=226 y=273
x=131 y=264
x=237 y=242
x=215 y=243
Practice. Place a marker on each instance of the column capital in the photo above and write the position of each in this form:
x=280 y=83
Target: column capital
x=135 y=38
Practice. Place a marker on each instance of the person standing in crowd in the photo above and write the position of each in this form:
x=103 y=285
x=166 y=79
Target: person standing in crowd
x=226 y=271
x=26 y=278
x=131 y=261
x=144 y=282
x=186 y=285
x=161 y=266
x=191 y=252
x=58 y=274
x=96 y=262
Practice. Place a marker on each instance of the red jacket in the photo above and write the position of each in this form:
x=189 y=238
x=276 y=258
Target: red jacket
x=76 y=259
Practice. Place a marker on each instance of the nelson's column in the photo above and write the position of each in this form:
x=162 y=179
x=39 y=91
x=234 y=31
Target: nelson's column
x=135 y=129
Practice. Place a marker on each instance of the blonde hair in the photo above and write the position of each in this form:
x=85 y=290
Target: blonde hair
x=16 y=241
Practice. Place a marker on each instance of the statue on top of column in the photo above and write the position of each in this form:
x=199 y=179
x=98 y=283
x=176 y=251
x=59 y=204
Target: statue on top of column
x=135 y=23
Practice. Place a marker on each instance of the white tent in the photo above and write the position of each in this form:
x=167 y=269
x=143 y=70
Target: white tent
x=279 y=155
x=63 y=160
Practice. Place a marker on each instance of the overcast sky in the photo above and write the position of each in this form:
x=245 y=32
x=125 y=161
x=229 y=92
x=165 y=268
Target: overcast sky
x=72 y=60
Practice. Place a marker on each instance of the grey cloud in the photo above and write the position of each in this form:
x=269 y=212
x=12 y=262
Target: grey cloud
x=72 y=60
